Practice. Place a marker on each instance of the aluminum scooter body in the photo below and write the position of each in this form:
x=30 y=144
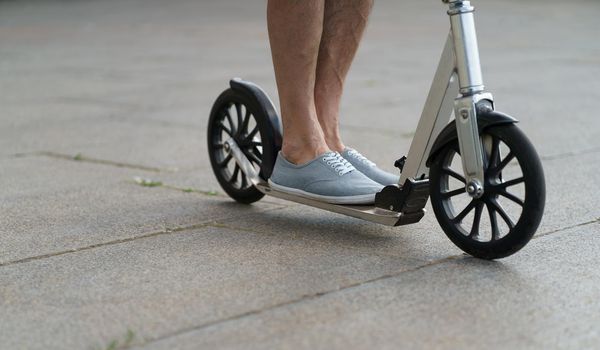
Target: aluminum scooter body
x=457 y=88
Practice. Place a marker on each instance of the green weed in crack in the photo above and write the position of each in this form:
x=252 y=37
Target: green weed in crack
x=124 y=343
x=147 y=182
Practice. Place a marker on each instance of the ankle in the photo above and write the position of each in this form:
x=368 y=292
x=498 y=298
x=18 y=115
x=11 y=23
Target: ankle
x=336 y=147
x=335 y=143
x=300 y=154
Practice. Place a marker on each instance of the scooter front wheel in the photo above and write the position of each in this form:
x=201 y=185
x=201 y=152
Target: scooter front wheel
x=507 y=215
x=238 y=117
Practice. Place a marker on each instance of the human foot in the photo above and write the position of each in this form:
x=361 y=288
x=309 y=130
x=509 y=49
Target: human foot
x=329 y=178
x=369 y=168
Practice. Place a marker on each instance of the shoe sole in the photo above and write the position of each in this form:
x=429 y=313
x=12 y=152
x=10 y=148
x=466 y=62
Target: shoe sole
x=358 y=199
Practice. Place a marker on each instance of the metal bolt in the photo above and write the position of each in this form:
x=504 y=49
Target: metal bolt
x=464 y=113
x=474 y=189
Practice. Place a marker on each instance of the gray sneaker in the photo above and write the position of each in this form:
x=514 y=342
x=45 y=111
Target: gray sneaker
x=329 y=178
x=369 y=168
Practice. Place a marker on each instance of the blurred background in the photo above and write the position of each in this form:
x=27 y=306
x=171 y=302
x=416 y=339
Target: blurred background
x=133 y=81
x=98 y=97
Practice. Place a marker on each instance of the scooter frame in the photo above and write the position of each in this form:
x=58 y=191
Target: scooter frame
x=457 y=87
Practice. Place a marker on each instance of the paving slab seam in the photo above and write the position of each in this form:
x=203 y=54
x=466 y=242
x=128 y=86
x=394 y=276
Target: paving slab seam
x=220 y=224
x=211 y=193
x=103 y=244
x=208 y=192
x=84 y=159
x=297 y=300
x=217 y=224
x=328 y=292
x=272 y=307
x=166 y=231
x=591 y=222
x=161 y=184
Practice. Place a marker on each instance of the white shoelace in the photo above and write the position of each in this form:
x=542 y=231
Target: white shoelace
x=360 y=157
x=338 y=163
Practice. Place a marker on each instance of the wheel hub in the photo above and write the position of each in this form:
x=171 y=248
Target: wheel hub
x=475 y=189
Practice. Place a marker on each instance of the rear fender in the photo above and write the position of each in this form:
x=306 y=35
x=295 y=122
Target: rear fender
x=263 y=101
x=266 y=108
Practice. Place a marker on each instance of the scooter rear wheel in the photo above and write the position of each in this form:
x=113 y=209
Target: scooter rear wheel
x=235 y=115
x=505 y=218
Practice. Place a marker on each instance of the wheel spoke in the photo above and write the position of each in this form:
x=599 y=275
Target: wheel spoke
x=453 y=193
x=256 y=151
x=464 y=213
x=500 y=210
x=238 y=109
x=225 y=161
x=245 y=121
x=454 y=174
x=234 y=175
x=252 y=133
x=494 y=223
x=512 y=182
x=224 y=128
x=476 y=220
x=504 y=162
x=231 y=125
x=511 y=196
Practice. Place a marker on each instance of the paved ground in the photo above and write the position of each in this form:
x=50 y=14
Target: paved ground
x=96 y=93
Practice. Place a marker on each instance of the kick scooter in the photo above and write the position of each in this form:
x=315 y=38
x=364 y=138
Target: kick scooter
x=483 y=176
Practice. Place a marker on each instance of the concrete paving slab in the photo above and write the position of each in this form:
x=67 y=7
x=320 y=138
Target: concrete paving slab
x=62 y=205
x=543 y=298
x=167 y=283
x=157 y=59
x=567 y=207
x=424 y=241
x=148 y=145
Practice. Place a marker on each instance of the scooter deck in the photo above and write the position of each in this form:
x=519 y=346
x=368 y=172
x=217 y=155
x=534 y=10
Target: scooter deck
x=364 y=212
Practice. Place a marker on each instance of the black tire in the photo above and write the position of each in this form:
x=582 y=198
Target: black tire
x=520 y=156
x=236 y=115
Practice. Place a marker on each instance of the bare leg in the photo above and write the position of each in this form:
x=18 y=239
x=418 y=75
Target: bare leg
x=343 y=26
x=295 y=28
